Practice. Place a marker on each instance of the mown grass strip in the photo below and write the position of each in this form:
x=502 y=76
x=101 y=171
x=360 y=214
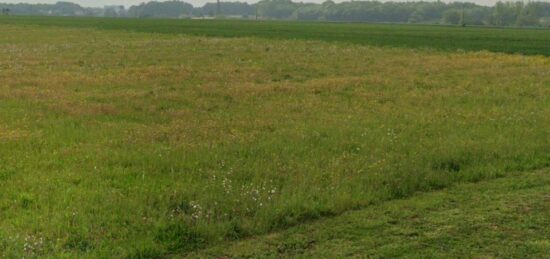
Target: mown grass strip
x=507 y=217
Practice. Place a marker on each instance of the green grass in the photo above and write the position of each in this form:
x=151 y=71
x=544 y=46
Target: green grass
x=508 y=40
x=504 y=218
x=116 y=143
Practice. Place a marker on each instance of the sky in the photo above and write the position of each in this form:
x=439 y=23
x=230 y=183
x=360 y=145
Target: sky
x=101 y=3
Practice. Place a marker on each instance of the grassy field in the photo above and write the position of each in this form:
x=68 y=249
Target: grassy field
x=525 y=41
x=118 y=143
x=504 y=218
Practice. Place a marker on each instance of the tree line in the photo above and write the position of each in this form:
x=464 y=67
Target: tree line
x=516 y=13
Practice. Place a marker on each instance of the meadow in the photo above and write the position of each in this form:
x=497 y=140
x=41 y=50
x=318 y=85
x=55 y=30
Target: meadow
x=450 y=38
x=135 y=142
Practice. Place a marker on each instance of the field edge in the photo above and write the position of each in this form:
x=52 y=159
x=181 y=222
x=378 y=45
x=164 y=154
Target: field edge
x=470 y=231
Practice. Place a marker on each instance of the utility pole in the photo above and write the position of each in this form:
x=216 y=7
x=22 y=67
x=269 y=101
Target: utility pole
x=218 y=8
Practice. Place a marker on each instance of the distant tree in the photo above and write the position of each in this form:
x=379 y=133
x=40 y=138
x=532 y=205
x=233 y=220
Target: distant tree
x=478 y=16
x=506 y=14
x=280 y=9
x=516 y=13
x=67 y=9
x=229 y=8
x=416 y=17
x=528 y=16
x=114 y=11
x=168 y=9
x=451 y=17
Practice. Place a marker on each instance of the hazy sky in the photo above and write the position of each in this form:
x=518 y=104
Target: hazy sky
x=98 y=3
